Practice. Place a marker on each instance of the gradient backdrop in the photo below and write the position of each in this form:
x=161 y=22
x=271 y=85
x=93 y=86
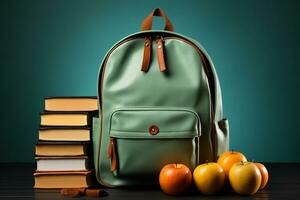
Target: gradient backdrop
x=53 y=48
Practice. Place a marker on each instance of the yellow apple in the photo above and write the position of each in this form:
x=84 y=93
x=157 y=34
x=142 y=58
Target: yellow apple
x=245 y=178
x=209 y=178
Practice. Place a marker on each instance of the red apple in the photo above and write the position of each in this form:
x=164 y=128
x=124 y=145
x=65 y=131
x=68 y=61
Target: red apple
x=175 y=179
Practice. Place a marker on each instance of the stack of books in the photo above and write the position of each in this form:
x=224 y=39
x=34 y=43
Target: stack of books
x=63 y=153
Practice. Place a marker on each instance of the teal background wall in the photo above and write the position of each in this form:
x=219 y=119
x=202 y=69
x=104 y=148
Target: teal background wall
x=53 y=48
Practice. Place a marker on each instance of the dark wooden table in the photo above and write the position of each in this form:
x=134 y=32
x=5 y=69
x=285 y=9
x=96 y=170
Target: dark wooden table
x=16 y=182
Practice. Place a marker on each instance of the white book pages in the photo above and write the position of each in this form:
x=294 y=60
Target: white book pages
x=61 y=164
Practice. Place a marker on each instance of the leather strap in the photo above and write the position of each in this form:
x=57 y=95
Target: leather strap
x=147 y=23
x=147 y=54
x=161 y=55
x=112 y=154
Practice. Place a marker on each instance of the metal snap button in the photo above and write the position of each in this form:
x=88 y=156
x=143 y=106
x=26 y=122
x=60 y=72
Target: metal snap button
x=153 y=130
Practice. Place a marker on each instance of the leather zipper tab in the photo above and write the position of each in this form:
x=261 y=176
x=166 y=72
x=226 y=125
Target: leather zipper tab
x=147 y=54
x=111 y=153
x=160 y=54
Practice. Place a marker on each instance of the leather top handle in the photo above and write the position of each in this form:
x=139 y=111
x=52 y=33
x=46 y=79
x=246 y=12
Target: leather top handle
x=147 y=23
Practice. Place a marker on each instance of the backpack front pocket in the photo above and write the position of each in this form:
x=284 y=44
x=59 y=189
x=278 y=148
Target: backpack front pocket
x=143 y=140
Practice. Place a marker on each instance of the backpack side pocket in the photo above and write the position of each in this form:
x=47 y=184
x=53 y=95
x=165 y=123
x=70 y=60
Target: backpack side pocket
x=222 y=136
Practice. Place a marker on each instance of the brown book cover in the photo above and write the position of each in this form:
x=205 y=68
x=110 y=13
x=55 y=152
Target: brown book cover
x=67 y=118
x=61 y=148
x=64 y=133
x=71 y=103
x=62 y=179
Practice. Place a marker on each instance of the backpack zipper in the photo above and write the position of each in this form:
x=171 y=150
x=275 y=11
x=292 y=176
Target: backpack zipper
x=147 y=54
x=159 y=51
x=111 y=153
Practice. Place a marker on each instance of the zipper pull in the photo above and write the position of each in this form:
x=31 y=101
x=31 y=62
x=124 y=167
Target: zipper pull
x=147 y=54
x=160 y=54
x=111 y=153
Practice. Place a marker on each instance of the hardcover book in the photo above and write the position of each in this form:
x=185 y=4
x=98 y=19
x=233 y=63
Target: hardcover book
x=74 y=163
x=65 y=133
x=67 y=118
x=56 y=180
x=71 y=103
x=61 y=149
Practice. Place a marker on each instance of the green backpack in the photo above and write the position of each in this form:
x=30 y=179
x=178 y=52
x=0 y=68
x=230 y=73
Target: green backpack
x=159 y=103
